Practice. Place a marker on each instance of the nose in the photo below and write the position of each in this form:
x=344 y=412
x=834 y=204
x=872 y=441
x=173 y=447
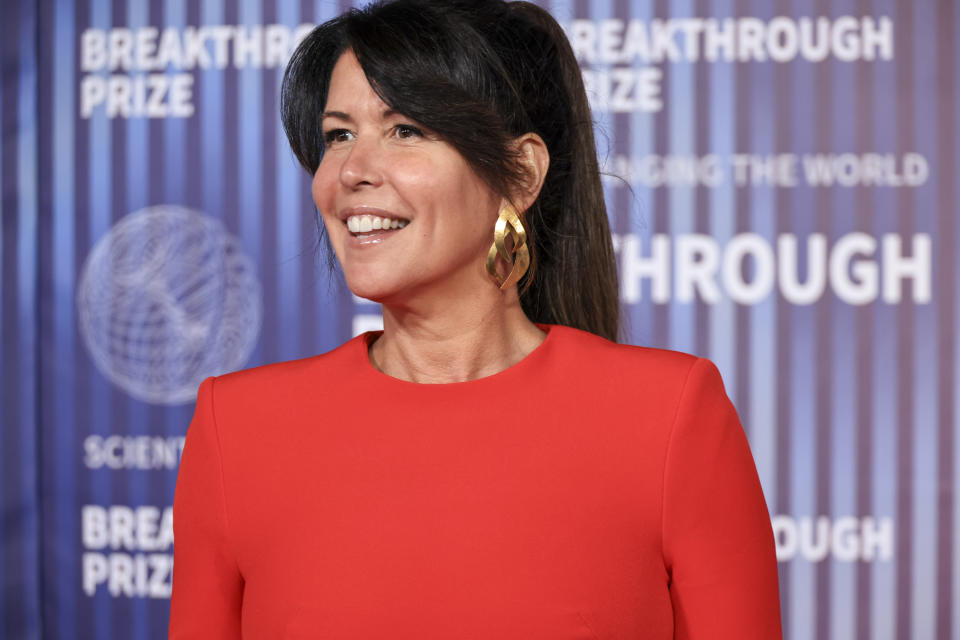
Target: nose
x=361 y=166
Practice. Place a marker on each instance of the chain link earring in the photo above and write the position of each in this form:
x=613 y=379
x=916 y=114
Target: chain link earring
x=508 y=224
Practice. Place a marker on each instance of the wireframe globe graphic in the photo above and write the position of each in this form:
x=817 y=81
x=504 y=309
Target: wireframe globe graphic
x=165 y=299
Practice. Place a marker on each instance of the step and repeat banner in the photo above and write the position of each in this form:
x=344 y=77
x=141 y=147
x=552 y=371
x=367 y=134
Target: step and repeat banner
x=781 y=178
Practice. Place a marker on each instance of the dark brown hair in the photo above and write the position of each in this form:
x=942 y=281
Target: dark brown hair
x=479 y=74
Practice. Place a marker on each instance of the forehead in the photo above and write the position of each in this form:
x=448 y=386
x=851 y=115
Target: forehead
x=349 y=89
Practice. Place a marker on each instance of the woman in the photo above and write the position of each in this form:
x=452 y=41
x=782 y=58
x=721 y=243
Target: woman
x=491 y=465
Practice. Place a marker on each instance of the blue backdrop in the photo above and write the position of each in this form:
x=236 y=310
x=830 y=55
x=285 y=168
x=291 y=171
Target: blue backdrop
x=781 y=181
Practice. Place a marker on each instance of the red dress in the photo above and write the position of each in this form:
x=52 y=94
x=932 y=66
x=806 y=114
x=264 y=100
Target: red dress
x=592 y=490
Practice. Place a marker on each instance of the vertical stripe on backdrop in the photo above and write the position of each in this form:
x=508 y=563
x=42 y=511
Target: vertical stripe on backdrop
x=736 y=384
x=904 y=341
x=174 y=164
x=249 y=178
x=214 y=126
x=193 y=159
x=885 y=375
x=946 y=264
x=640 y=209
x=799 y=126
x=128 y=416
x=923 y=210
x=864 y=321
x=82 y=382
x=155 y=180
x=816 y=361
x=5 y=420
x=658 y=328
x=45 y=33
x=274 y=340
x=679 y=97
x=178 y=139
x=702 y=309
x=103 y=396
x=156 y=188
x=289 y=213
x=838 y=495
x=155 y=613
x=226 y=135
x=120 y=418
x=57 y=392
x=797 y=129
x=9 y=392
x=136 y=159
x=951 y=205
x=800 y=342
x=177 y=189
x=864 y=331
x=28 y=208
x=620 y=196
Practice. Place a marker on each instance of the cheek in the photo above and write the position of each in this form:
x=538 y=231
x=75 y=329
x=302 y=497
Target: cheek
x=459 y=196
x=476 y=206
x=323 y=187
x=323 y=191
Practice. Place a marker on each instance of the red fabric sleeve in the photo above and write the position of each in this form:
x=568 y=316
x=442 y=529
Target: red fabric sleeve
x=207 y=584
x=717 y=539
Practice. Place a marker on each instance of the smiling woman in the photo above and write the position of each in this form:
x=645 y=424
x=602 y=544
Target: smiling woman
x=492 y=464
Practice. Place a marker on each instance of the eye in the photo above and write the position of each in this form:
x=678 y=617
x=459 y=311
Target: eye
x=336 y=135
x=407 y=131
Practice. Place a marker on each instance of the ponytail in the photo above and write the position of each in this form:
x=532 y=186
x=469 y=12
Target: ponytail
x=574 y=281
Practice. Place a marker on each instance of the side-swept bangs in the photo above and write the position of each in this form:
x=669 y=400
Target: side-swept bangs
x=424 y=63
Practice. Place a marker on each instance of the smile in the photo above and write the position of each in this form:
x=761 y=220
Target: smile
x=366 y=223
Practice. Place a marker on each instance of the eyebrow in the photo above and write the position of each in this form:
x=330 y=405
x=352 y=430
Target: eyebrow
x=336 y=114
x=346 y=116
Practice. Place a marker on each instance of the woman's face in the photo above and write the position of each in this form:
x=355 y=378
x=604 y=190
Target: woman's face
x=380 y=168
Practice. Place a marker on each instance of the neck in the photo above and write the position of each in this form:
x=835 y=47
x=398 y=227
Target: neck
x=442 y=341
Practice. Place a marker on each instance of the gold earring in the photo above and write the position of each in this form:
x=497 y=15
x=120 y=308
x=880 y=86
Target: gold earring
x=508 y=223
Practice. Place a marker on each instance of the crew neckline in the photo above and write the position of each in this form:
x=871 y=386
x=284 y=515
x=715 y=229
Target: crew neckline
x=530 y=360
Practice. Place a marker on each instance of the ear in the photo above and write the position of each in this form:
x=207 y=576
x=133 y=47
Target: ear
x=536 y=160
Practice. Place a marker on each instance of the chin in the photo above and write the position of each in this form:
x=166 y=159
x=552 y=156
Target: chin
x=370 y=288
x=367 y=293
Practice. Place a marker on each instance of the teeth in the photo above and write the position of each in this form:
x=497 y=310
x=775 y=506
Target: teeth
x=366 y=223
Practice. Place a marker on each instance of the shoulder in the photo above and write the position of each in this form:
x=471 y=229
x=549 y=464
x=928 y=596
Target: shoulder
x=601 y=355
x=658 y=380
x=278 y=379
